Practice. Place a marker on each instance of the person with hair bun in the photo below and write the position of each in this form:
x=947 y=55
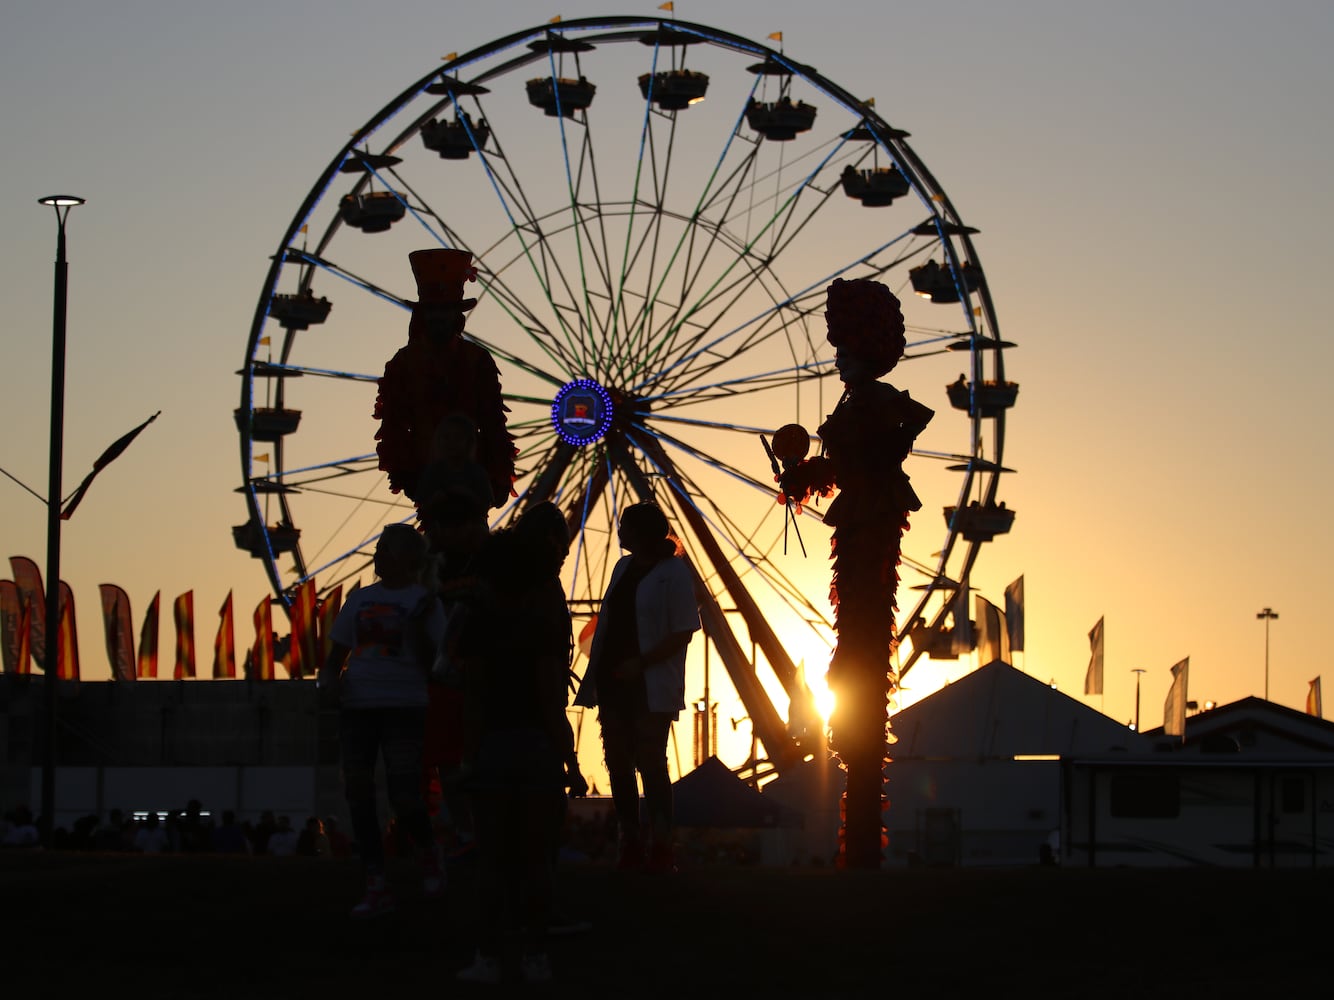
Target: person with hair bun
x=636 y=678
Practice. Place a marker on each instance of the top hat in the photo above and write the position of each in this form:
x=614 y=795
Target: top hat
x=440 y=276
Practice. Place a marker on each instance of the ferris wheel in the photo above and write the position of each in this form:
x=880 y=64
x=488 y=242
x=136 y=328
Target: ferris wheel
x=655 y=209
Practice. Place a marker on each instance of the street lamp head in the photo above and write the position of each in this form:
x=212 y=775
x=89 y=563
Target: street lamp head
x=61 y=200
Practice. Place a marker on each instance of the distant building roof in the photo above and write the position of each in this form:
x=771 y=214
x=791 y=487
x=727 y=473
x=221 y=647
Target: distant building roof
x=998 y=712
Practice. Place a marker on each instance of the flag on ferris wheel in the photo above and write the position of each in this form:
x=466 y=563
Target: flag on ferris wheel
x=148 y=640
x=118 y=630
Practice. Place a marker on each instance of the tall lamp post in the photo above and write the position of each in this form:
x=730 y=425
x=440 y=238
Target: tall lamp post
x=1268 y=615
x=1137 y=671
x=62 y=203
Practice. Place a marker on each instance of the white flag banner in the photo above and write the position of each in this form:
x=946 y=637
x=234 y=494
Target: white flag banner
x=1093 y=678
x=1174 y=708
x=992 y=641
x=1014 y=614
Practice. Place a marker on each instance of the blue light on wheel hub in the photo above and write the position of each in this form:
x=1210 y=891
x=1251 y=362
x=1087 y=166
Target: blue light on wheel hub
x=581 y=412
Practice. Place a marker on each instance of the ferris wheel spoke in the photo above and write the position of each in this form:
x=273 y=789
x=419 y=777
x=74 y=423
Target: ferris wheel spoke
x=638 y=330
x=802 y=304
x=364 y=284
x=706 y=534
x=757 y=266
x=526 y=230
x=741 y=540
x=647 y=149
x=495 y=288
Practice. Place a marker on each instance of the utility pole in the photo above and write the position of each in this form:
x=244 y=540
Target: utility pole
x=1137 y=671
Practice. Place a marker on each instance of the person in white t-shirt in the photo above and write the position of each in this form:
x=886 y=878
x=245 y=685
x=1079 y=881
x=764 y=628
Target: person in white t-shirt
x=384 y=640
x=636 y=677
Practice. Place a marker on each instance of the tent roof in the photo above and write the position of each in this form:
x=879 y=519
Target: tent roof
x=999 y=712
x=712 y=796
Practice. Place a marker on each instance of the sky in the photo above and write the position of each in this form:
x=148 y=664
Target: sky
x=1149 y=182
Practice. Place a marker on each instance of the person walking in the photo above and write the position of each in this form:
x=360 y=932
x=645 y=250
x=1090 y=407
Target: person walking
x=384 y=639
x=636 y=679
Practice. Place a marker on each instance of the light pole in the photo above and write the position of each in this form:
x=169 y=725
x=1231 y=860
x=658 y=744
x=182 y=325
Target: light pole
x=1137 y=671
x=1268 y=615
x=62 y=203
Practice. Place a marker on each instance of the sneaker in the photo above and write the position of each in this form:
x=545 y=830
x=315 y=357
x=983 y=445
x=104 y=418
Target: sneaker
x=485 y=969
x=535 y=969
x=377 y=902
x=563 y=923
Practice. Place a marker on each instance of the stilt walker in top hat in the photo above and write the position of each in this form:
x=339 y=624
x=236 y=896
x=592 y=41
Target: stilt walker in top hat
x=437 y=375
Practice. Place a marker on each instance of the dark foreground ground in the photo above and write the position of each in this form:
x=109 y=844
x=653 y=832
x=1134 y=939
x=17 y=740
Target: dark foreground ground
x=190 y=926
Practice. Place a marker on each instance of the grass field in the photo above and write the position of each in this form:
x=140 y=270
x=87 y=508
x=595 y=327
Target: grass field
x=198 y=926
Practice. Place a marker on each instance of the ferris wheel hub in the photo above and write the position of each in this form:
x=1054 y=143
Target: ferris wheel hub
x=582 y=412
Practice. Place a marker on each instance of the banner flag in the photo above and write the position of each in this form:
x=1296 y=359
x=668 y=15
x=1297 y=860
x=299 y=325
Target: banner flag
x=224 y=643
x=183 y=610
x=992 y=640
x=1313 y=706
x=586 y=635
x=963 y=624
x=1014 y=614
x=67 y=638
x=1174 y=708
x=1093 y=678
x=329 y=608
x=24 y=662
x=11 y=616
x=261 y=659
x=28 y=578
x=305 y=634
x=106 y=458
x=148 y=640
x=118 y=628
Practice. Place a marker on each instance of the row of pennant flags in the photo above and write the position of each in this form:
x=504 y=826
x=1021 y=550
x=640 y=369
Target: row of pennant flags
x=1174 y=707
x=24 y=636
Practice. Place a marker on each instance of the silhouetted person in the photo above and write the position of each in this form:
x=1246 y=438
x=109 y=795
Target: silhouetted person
x=438 y=373
x=866 y=440
x=636 y=678
x=516 y=668
x=384 y=639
